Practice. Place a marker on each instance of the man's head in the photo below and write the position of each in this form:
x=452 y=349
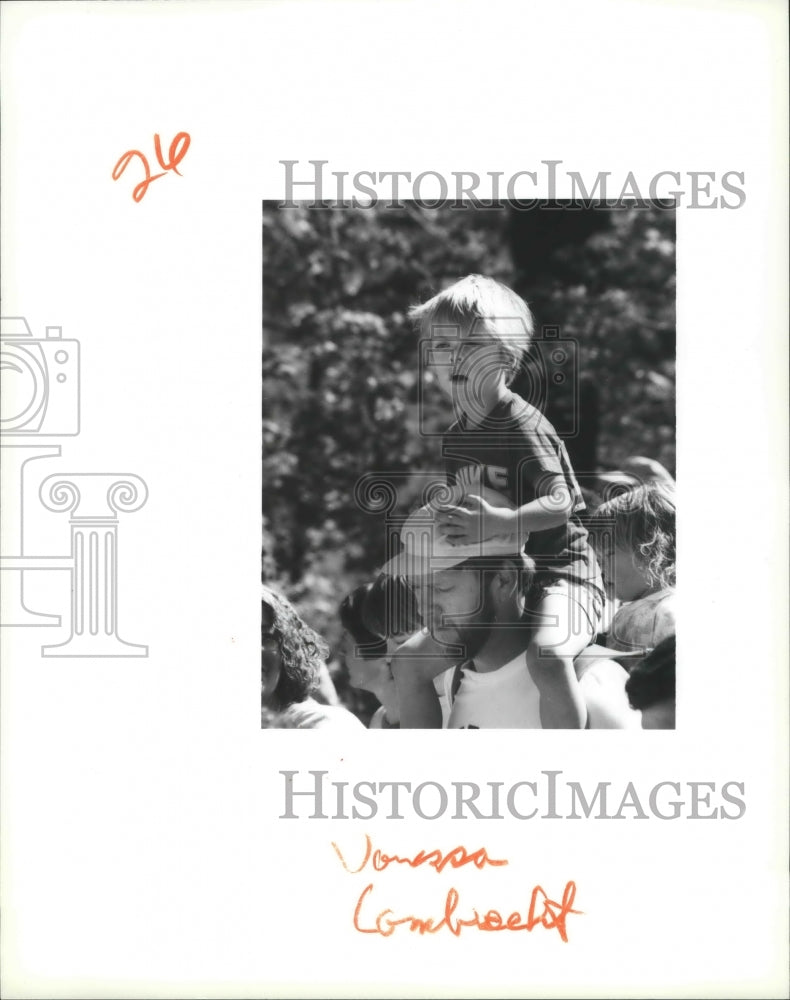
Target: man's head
x=465 y=604
x=463 y=591
x=291 y=653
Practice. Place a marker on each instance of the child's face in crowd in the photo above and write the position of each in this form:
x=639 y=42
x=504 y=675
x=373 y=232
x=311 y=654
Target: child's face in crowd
x=466 y=365
x=622 y=575
x=368 y=673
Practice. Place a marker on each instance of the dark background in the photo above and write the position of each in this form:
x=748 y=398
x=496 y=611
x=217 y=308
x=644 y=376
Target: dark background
x=342 y=397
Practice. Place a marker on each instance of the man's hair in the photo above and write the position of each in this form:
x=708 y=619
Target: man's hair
x=489 y=566
x=302 y=652
x=653 y=679
x=375 y=611
x=374 y=644
x=481 y=306
x=644 y=524
x=389 y=606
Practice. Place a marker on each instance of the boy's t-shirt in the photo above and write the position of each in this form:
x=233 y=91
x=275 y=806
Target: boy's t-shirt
x=516 y=451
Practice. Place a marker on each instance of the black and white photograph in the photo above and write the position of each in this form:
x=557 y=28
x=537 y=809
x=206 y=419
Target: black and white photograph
x=469 y=465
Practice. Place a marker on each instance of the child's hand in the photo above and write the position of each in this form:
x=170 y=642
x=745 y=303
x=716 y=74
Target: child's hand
x=475 y=521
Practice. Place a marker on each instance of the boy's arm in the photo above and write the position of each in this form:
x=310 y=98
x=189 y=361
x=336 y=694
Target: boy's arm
x=476 y=519
x=550 y=510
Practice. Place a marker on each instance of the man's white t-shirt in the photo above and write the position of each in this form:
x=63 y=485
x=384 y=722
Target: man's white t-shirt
x=506 y=698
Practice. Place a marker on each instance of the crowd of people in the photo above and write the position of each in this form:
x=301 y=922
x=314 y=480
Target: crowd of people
x=512 y=603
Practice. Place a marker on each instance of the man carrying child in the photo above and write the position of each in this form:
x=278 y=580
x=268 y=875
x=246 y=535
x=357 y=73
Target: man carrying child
x=476 y=600
x=480 y=331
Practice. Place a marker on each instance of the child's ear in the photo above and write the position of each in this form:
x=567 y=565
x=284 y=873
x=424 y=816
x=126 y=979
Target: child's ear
x=505 y=585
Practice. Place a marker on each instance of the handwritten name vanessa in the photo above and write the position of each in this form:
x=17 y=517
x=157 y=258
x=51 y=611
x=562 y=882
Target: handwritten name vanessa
x=456 y=858
x=369 y=918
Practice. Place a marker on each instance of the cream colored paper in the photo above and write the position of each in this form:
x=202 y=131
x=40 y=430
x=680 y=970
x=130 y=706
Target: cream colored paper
x=142 y=849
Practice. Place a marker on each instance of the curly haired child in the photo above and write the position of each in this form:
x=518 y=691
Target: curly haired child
x=291 y=658
x=634 y=535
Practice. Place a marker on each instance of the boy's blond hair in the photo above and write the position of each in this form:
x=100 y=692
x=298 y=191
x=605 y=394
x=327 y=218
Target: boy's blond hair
x=480 y=306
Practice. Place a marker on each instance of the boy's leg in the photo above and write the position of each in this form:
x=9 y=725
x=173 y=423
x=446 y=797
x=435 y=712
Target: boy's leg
x=414 y=666
x=564 y=630
x=602 y=682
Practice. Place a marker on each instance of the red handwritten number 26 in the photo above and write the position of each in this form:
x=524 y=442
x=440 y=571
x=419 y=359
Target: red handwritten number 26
x=177 y=152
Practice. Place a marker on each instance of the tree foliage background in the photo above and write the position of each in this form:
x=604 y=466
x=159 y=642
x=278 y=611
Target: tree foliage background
x=342 y=393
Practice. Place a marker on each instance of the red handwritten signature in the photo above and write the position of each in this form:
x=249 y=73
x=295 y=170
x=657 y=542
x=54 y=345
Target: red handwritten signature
x=176 y=153
x=456 y=858
x=542 y=912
